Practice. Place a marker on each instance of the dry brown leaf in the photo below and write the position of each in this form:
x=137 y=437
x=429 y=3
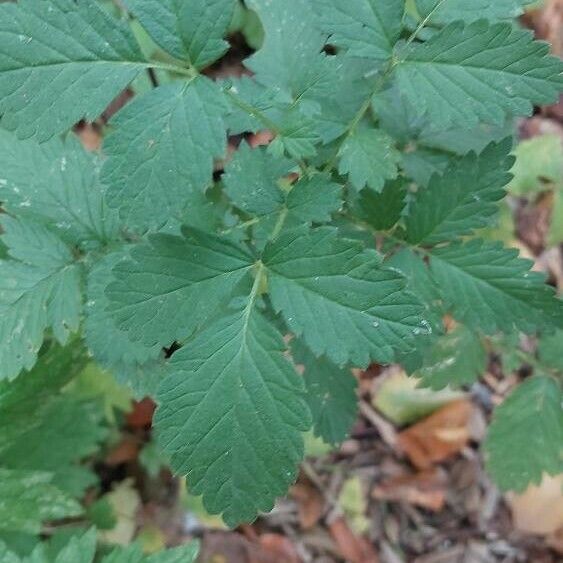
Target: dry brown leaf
x=230 y=547
x=539 y=510
x=426 y=489
x=352 y=548
x=310 y=504
x=126 y=450
x=280 y=547
x=438 y=437
x=141 y=414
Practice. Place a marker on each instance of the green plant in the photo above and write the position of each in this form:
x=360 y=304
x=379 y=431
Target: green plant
x=355 y=230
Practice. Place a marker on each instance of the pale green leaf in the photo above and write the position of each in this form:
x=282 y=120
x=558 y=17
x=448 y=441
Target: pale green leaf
x=29 y=499
x=162 y=149
x=171 y=284
x=369 y=157
x=550 y=347
x=39 y=288
x=56 y=183
x=456 y=359
x=479 y=72
x=339 y=298
x=489 y=288
x=525 y=438
x=79 y=549
x=61 y=61
x=463 y=199
x=190 y=30
x=134 y=554
x=539 y=163
x=231 y=414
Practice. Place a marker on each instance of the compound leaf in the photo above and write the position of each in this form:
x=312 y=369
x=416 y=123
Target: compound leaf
x=61 y=61
x=369 y=157
x=367 y=28
x=189 y=30
x=57 y=183
x=170 y=284
x=339 y=298
x=463 y=199
x=526 y=435
x=39 y=288
x=162 y=149
x=488 y=287
x=480 y=72
x=231 y=414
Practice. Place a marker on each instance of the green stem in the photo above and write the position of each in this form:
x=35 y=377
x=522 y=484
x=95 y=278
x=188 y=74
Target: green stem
x=279 y=223
x=185 y=71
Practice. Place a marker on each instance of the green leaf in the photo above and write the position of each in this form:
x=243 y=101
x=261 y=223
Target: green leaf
x=456 y=359
x=29 y=498
x=440 y=11
x=367 y=28
x=296 y=136
x=80 y=549
x=382 y=210
x=549 y=350
x=22 y=401
x=6 y=555
x=67 y=431
x=171 y=284
x=252 y=94
x=369 y=157
x=231 y=414
x=110 y=345
x=39 y=288
x=480 y=72
x=291 y=58
x=463 y=199
x=526 y=435
x=44 y=430
x=62 y=61
x=539 y=162
x=339 y=298
x=134 y=554
x=254 y=181
x=56 y=183
x=192 y=31
x=331 y=395
x=423 y=164
x=488 y=287
x=162 y=149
